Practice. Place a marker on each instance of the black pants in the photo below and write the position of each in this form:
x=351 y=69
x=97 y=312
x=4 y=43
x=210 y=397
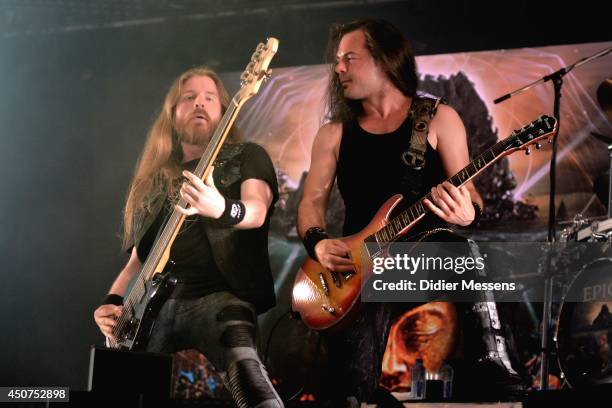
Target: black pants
x=224 y=329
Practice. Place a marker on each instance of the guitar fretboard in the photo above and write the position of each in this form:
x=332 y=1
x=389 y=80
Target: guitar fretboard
x=536 y=130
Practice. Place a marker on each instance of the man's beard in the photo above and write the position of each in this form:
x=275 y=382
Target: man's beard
x=196 y=135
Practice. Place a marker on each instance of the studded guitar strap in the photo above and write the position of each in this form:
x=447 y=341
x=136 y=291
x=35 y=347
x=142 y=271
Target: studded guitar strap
x=422 y=111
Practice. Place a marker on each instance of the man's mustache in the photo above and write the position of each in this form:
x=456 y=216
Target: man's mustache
x=199 y=113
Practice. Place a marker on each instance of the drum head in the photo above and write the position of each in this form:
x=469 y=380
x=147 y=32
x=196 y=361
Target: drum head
x=584 y=330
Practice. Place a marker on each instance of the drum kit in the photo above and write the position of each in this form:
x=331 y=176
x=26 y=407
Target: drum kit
x=583 y=333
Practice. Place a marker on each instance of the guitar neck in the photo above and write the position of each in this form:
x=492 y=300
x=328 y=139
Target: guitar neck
x=396 y=226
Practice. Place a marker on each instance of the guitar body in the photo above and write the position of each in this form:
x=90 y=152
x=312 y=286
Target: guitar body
x=136 y=331
x=324 y=298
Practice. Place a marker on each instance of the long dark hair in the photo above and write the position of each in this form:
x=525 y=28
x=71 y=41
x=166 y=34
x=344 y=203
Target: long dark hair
x=389 y=48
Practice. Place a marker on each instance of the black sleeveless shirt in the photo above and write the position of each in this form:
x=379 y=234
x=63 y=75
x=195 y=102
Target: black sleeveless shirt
x=370 y=170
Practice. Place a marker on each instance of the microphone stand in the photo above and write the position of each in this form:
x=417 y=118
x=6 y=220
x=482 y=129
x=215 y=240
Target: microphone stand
x=610 y=183
x=557 y=80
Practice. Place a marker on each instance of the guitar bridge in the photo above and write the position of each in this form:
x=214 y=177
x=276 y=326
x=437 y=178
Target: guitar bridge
x=329 y=309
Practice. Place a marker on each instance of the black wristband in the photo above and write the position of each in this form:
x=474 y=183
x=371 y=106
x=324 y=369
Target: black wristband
x=311 y=238
x=233 y=213
x=477 y=215
x=112 y=299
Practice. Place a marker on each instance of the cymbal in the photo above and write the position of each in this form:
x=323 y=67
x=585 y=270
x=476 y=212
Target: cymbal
x=604 y=97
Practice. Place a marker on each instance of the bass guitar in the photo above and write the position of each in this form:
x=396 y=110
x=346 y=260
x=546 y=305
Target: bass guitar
x=154 y=284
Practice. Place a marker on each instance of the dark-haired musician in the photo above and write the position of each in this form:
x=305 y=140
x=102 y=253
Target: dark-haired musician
x=366 y=147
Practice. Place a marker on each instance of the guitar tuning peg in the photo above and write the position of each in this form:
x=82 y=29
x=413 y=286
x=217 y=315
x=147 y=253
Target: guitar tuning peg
x=550 y=140
x=538 y=146
x=528 y=151
x=268 y=74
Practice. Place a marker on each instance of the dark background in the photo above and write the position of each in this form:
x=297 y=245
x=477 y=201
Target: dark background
x=80 y=84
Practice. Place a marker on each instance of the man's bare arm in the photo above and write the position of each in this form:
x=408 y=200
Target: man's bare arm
x=107 y=315
x=452 y=204
x=256 y=195
x=320 y=178
x=452 y=145
x=331 y=253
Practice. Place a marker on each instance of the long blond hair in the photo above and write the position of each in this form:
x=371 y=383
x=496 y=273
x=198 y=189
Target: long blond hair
x=159 y=165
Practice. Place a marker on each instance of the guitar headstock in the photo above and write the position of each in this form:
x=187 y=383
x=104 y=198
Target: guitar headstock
x=544 y=127
x=257 y=70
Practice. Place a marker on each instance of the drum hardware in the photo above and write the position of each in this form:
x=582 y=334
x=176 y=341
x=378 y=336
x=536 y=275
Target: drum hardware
x=597 y=231
x=577 y=223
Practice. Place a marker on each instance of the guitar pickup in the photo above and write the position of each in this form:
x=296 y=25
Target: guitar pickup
x=324 y=284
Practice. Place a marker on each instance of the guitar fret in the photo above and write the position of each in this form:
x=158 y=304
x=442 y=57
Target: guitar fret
x=493 y=155
x=474 y=167
x=408 y=218
x=420 y=207
x=398 y=226
x=480 y=162
x=454 y=180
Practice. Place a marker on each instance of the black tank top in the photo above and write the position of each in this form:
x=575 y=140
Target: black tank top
x=370 y=170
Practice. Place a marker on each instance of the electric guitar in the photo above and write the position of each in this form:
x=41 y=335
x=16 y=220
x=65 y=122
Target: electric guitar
x=154 y=285
x=325 y=298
